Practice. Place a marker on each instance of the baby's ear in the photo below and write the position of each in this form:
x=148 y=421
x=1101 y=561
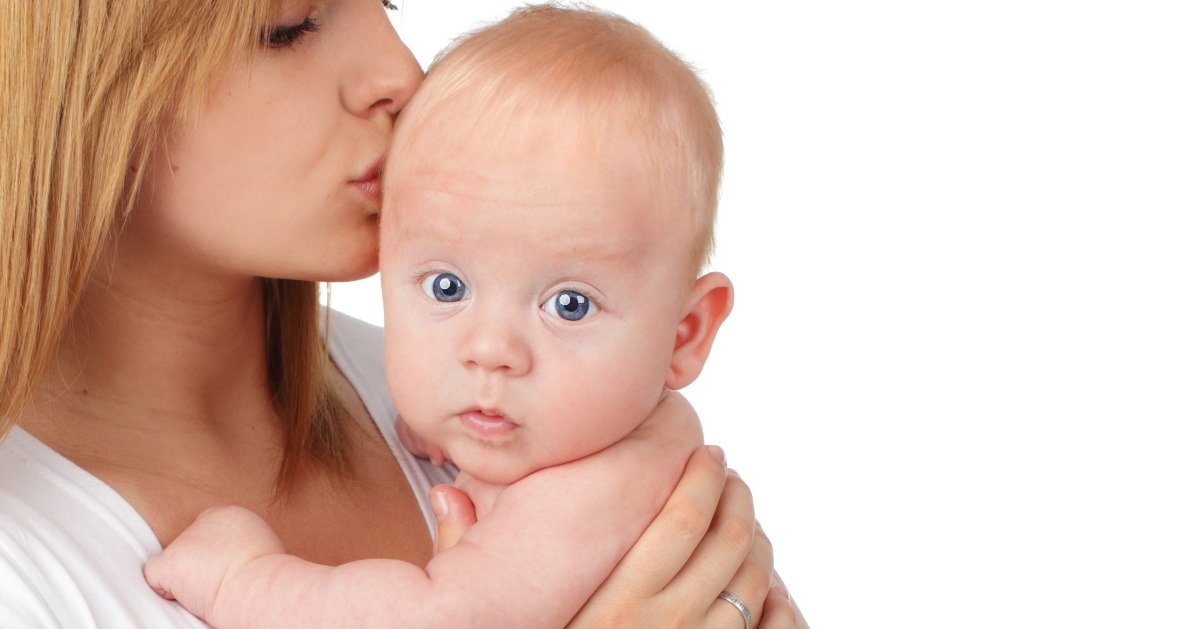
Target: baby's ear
x=708 y=304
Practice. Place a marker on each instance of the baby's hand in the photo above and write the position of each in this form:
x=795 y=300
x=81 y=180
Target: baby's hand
x=417 y=445
x=207 y=554
x=455 y=515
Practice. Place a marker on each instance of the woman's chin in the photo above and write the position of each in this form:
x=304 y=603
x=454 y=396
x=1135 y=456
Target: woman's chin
x=342 y=266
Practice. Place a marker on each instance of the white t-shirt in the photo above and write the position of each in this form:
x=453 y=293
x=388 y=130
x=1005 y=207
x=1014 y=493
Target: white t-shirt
x=72 y=549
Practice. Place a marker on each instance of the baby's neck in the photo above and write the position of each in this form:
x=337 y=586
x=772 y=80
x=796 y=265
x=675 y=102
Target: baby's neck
x=483 y=495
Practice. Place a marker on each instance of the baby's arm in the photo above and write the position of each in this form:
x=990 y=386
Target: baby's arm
x=547 y=543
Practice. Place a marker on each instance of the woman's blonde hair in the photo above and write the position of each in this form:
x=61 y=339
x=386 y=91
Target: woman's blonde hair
x=90 y=87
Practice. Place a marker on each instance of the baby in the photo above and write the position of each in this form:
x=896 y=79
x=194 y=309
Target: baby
x=548 y=206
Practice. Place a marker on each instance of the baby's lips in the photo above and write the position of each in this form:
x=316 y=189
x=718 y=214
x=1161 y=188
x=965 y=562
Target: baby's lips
x=488 y=425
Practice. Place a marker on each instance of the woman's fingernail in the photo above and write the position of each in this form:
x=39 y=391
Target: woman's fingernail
x=716 y=452
x=440 y=506
x=782 y=591
x=733 y=472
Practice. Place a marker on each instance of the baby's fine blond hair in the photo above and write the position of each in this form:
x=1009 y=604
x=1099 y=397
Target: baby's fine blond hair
x=555 y=60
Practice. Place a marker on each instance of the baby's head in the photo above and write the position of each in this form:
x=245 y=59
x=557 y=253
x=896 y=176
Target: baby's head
x=548 y=205
x=590 y=83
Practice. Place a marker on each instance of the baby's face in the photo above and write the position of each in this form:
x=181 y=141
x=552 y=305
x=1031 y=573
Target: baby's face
x=531 y=295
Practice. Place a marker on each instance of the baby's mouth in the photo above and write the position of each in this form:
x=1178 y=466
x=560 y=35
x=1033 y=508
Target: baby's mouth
x=487 y=422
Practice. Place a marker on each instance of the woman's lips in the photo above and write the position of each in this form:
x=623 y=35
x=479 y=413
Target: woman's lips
x=369 y=182
x=486 y=423
x=369 y=187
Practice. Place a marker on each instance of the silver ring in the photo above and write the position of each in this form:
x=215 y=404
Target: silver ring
x=741 y=607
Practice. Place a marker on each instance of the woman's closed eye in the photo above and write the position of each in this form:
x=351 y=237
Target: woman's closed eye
x=286 y=36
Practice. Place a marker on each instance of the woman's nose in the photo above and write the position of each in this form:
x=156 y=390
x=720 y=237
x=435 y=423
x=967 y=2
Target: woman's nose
x=383 y=74
x=496 y=346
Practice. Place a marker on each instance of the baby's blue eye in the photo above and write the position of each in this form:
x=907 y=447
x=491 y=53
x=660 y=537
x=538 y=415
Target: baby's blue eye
x=569 y=305
x=444 y=287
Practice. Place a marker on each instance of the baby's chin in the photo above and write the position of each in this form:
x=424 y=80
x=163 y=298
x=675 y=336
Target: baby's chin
x=495 y=472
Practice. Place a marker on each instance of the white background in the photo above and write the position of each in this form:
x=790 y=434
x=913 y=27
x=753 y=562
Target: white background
x=963 y=372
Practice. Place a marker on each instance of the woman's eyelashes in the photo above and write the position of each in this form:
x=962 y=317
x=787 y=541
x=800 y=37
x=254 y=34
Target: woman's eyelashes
x=287 y=36
x=570 y=305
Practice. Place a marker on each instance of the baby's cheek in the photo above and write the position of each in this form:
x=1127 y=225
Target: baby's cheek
x=599 y=407
x=406 y=378
x=406 y=387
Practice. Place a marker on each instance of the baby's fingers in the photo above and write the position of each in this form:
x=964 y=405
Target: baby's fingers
x=418 y=446
x=454 y=512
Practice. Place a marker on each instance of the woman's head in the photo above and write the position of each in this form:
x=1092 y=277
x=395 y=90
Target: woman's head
x=276 y=174
x=91 y=88
x=224 y=136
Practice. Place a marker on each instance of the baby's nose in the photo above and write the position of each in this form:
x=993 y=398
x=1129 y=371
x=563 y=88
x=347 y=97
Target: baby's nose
x=496 y=346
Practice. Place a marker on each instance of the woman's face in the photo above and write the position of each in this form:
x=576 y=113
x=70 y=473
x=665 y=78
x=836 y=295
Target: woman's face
x=279 y=174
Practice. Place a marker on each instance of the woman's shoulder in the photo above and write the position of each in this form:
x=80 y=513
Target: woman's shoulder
x=71 y=551
x=355 y=335
x=356 y=347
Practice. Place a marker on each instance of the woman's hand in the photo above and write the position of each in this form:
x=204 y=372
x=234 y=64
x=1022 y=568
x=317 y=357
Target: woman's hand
x=780 y=610
x=704 y=541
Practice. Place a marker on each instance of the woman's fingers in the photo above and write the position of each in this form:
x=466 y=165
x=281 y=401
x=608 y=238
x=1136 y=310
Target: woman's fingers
x=454 y=512
x=779 y=590
x=633 y=596
x=723 y=549
x=780 y=612
x=750 y=585
x=673 y=536
x=705 y=540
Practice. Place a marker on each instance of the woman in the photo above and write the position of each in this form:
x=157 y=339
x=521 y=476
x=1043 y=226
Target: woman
x=173 y=155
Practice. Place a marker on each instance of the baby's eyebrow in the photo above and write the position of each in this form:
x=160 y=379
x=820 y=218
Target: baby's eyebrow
x=426 y=230
x=609 y=248
x=403 y=237
x=613 y=251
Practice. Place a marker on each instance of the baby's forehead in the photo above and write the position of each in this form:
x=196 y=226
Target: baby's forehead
x=532 y=168
x=477 y=122
x=535 y=243
x=534 y=181
x=535 y=189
